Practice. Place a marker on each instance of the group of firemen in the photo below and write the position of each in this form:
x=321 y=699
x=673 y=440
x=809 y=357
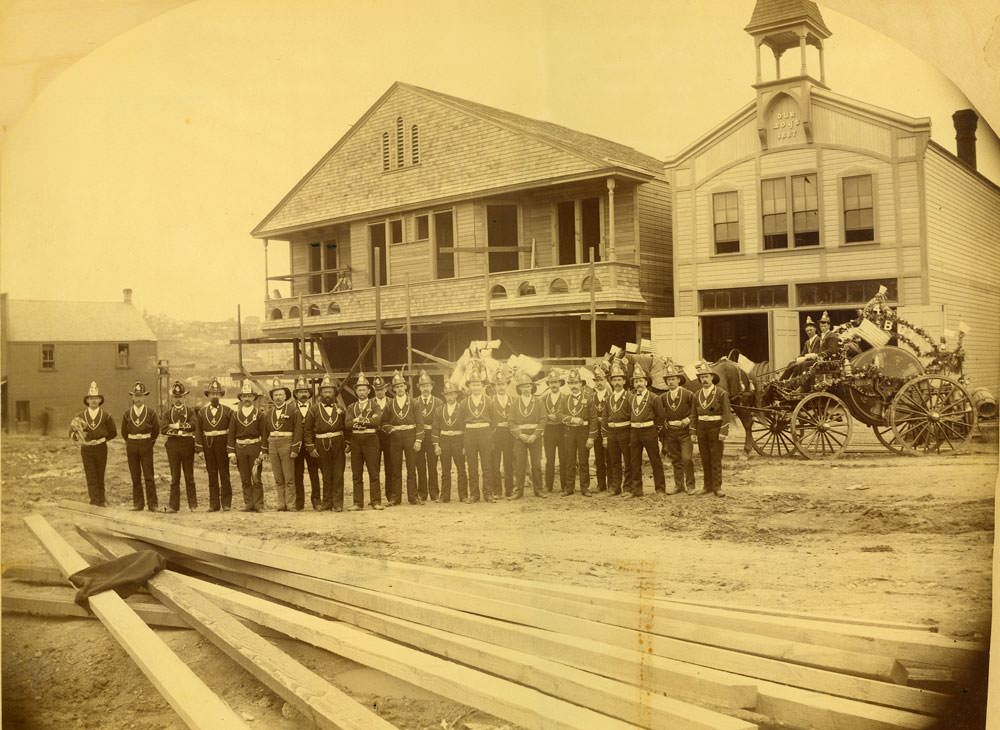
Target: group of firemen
x=491 y=436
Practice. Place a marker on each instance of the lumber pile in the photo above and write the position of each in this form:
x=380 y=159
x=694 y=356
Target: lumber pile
x=538 y=655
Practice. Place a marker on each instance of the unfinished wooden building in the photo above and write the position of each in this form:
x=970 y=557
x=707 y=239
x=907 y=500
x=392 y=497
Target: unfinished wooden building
x=484 y=224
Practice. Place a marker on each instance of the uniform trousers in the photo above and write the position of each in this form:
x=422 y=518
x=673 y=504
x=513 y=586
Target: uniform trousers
x=503 y=450
x=280 y=450
x=400 y=446
x=140 y=465
x=253 y=490
x=95 y=461
x=453 y=453
x=427 y=469
x=385 y=454
x=645 y=439
x=710 y=448
x=553 y=441
x=331 y=465
x=304 y=461
x=217 y=465
x=364 y=456
x=600 y=463
x=577 y=459
x=678 y=447
x=479 y=445
x=618 y=459
x=180 y=457
x=523 y=453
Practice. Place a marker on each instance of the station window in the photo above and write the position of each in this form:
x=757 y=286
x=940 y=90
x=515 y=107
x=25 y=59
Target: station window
x=423 y=227
x=747 y=297
x=727 y=222
x=123 y=354
x=48 y=357
x=859 y=210
x=774 y=194
x=843 y=292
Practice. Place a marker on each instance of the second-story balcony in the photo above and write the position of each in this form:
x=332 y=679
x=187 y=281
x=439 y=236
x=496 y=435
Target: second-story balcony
x=551 y=290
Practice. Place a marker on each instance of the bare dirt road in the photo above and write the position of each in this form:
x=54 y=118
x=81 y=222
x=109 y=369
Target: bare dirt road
x=869 y=535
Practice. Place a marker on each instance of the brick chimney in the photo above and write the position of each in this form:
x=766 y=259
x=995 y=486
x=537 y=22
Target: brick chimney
x=127 y=295
x=966 y=121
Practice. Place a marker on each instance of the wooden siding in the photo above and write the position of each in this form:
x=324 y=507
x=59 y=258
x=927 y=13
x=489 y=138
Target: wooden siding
x=724 y=273
x=839 y=163
x=655 y=248
x=787 y=162
x=742 y=178
x=740 y=143
x=76 y=364
x=963 y=231
x=459 y=154
x=861 y=263
x=833 y=126
x=912 y=291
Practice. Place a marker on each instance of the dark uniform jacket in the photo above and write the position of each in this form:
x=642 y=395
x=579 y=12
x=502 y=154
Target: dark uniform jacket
x=829 y=344
x=208 y=427
x=578 y=412
x=250 y=426
x=428 y=414
x=712 y=407
x=677 y=408
x=284 y=419
x=403 y=418
x=101 y=427
x=616 y=411
x=479 y=417
x=318 y=421
x=186 y=419
x=527 y=420
x=811 y=346
x=553 y=411
x=452 y=424
x=147 y=423
x=646 y=410
x=363 y=417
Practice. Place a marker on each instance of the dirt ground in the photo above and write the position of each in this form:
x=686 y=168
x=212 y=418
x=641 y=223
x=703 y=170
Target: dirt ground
x=869 y=535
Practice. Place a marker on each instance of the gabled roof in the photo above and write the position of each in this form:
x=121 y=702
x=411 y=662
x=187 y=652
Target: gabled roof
x=584 y=144
x=775 y=13
x=591 y=152
x=32 y=320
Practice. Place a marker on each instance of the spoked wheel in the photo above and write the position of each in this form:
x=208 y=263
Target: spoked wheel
x=887 y=438
x=821 y=426
x=932 y=413
x=770 y=433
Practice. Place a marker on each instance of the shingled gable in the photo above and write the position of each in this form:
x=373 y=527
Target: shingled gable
x=466 y=148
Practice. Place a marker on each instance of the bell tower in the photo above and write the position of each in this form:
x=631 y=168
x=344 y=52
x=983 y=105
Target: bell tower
x=783 y=103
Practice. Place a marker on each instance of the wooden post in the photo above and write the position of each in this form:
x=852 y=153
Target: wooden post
x=409 y=336
x=267 y=281
x=489 y=323
x=611 y=219
x=302 y=332
x=377 y=278
x=593 y=308
x=239 y=336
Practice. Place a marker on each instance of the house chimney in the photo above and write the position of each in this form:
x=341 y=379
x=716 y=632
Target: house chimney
x=127 y=295
x=965 y=135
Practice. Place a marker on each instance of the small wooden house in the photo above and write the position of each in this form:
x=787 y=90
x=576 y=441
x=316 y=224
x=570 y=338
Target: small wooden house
x=806 y=201
x=469 y=221
x=53 y=350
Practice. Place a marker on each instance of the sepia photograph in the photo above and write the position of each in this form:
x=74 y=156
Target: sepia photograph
x=537 y=365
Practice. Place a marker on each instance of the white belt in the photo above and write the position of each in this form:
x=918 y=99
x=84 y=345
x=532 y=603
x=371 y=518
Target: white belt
x=428 y=428
x=641 y=424
x=477 y=425
x=504 y=423
x=451 y=433
x=709 y=418
x=407 y=427
x=138 y=436
x=247 y=442
x=531 y=426
x=329 y=435
x=281 y=433
x=216 y=433
x=618 y=424
x=95 y=442
x=363 y=430
x=675 y=423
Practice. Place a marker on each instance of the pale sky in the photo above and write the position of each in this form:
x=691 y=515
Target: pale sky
x=147 y=163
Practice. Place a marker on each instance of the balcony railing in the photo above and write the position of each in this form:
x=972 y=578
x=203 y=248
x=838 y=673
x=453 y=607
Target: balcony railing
x=326 y=280
x=555 y=287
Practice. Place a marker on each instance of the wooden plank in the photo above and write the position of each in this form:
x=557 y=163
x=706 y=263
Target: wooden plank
x=37 y=574
x=196 y=704
x=526 y=707
x=580 y=653
x=325 y=705
x=61 y=605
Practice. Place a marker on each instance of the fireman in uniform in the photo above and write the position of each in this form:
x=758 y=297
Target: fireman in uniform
x=451 y=439
x=323 y=437
x=93 y=428
x=677 y=405
x=579 y=429
x=503 y=439
x=600 y=396
x=245 y=444
x=711 y=416
x=616 y=421
x=555 y=433
x=479 y=420
x=527 y=424
x=427 y=457
x=381 y=403
x=363 y=420
x=283 y=437
x=211 y=432
x=179 y=424
x=140 y=427
x=646 y=420
x=402 y=423
x=829 y=343
x=302 y=394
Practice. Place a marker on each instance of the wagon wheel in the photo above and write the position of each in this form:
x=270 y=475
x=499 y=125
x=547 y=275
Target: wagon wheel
x=821 y=426
x=770 y=434
x=932 y=413
x=888 y=439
